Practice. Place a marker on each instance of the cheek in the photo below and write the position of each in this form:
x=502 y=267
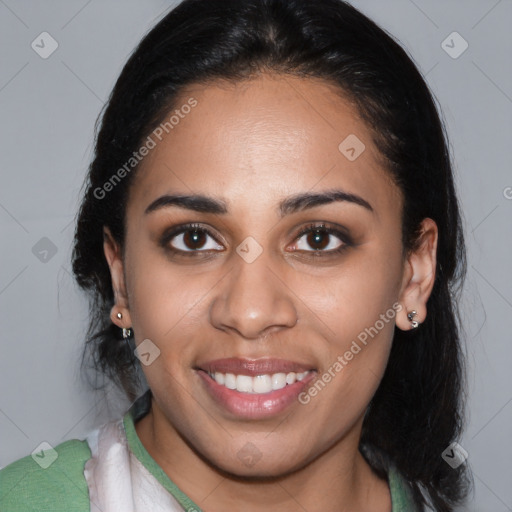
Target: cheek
x=167 y=302
x=357 y=309
x=355 y=296
x=351 y=372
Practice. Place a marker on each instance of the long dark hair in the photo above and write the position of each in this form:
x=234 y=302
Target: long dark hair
x=418 y=409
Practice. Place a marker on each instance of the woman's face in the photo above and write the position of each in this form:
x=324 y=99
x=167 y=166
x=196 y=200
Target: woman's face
x=256 y=299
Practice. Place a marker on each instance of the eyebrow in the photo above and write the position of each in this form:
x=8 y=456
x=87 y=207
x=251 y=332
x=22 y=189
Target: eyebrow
x=298 y=202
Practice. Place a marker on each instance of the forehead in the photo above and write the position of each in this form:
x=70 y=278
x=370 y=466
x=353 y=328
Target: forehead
x=263 y=138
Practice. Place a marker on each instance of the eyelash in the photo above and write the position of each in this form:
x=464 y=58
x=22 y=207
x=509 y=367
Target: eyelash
x=311 y=228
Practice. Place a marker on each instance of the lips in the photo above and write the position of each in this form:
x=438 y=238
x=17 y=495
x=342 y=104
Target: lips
x=254 y=389
x=253 y=367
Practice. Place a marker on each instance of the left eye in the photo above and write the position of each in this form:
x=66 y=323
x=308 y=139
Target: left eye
x=319 y=238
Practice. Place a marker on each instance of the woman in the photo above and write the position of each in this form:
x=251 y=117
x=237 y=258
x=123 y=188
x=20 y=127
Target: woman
x=270 y=227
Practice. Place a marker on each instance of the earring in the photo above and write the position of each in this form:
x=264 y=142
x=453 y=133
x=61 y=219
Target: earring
x=119 y=315
x=410 y=316
x=126 y=333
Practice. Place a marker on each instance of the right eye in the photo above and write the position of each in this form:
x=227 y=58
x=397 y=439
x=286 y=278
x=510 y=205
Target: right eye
x=190 y=238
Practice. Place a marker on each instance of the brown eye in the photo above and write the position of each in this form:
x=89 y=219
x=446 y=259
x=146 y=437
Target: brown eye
x=190 y=239
x=321 y=238
x=194 y=239
x=318 y=239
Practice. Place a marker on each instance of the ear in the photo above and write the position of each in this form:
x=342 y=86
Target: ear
x=419 y=276
x=113 y=254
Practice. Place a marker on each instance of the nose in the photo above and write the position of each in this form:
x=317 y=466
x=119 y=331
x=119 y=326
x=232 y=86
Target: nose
x=253 y=301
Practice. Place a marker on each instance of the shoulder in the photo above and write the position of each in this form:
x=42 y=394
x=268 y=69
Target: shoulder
x=49 y=480
x=401 y=493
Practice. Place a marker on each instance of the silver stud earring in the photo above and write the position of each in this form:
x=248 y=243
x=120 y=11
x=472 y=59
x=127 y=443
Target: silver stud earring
x=410 y=316
x=119 y=315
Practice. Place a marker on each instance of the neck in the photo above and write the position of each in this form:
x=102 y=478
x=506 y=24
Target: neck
x=339 y=479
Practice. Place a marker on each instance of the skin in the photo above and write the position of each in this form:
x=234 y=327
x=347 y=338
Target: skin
x=254 y=144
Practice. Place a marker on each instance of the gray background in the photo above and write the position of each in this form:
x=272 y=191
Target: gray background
x=48 y=108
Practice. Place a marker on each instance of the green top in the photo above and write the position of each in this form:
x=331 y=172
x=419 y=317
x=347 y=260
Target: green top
x=26 y=486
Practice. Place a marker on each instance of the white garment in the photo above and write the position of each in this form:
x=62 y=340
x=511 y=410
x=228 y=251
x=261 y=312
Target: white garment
x=117 y=480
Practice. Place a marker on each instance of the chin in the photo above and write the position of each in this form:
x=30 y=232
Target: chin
x=251 y=464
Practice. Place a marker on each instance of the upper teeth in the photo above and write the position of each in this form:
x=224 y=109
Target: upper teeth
x=258 y=384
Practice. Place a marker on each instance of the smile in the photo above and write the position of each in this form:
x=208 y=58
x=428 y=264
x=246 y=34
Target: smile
x=254 y=389
x=258 y=384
